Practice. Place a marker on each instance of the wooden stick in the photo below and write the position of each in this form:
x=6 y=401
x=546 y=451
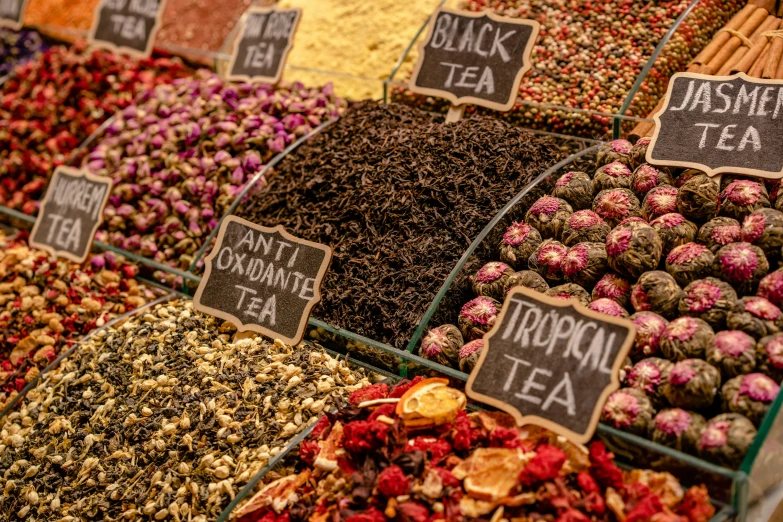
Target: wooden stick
x=775 y=52
x=754 y=52
x=721 y=37
x=720 y=59
x=780 y=10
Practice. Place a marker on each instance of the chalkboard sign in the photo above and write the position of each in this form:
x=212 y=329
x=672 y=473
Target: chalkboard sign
x=266 y=37
x=12 y=13
x=127 y=25
x=477 y=58
x=551 y=362
x=721 y=124
x=262 y=279
x=70 y=213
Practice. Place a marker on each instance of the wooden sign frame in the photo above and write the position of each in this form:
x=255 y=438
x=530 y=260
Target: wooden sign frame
x=614 y=384
x=16 y=26
x=130 y=51
x=527 y=62
x=245 y=327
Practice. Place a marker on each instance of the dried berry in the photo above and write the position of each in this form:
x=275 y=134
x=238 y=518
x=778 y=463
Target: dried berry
x=585 y=226
x=755 y=316
x=617 y=150
x=570 y=291
x=709 y=299
x=469 y=354
x=648 y=375
x=528 y=279
x=697 y=198
x=656 y=291
x=492 y=280
x=585 y=263
x=719 y=232
x=442 y=345
x=477 y=317
x=615 y=205
x=547 y=260
x=608 y=307
x=732 y=352
x=764 y=228
x=519 y=242
x=678 y=429
x=769 y=356
x=674 y=230
x=692 y=384
x=576 y=188
x=549 y=215
x=646 y=177
x=689 y=262
x=633 y=249
x=750 y=395
x=659 y=201
x=614 y=287
x=686 y=338
x=649 y=330
x=726 y=439
x=742 y=265
x=741 y=197
x=630 y=410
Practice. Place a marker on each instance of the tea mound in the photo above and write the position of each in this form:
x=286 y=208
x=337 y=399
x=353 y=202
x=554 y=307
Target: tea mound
x=614 y=175
x=528 y=279
x=719 y=232
x=576 y=188
x=585 y=226
x=689 y=262
x=639 y=152
x=650 y=328
x=469 y=354
x=726 y=439
x=750 y=395
x=659 y=201
x=764 y=228
x=648 y=375
x=585 y=263
x=732 y=352
x=674 y=230
x=630 y=410
x=697 y=198
x=519 y=242
x=741 y=197
x=608 y=307
x=756 y=316
x=616 y=150
x=549 y=215
x=570 y=291
x=614 y=287
x=615 y=205
x=646 y=177
x=547 y=260
x=678 y=428
x=769 y=354
x=492 y=280
x=692 y=384
x=478 y=316
x=742 y=265
x=686 y=338
x=442 y=345
x=709 y=299
x=656 y=291
x=633 y=249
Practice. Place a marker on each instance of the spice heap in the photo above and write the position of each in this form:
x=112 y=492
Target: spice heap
x=17 y=47
x=398 y=196
x=161 y=418
x=183 y=23
x=54 y=102
x=372 y=38
x=589 y=54
x=181 y=155
x=48 y=304
x=423 y=458
x=709 y=327
x=73 y=16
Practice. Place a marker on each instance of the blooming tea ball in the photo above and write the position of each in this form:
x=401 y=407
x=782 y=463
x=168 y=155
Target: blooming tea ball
x=648 y=375
x=477 y=317
x=709 y=299
x=678 y=428
x=585 y=226
x=750 y=395
x=697 y=198
x=548 y=215
x=612 y=286
x=585 y=263
x=685 y=176
x=764 y=228
x=576 y=188
x=656 y=291
x=442 y=345
x=686 y=338
x=674 y=230
x=547 y=260
x=608 y=307
x=469 y=355
x=519 y=242
x=639 y=152
x=659 y=201
x=755 y=316
x=649 y=331
x=615 y=205
x=570 y=291
x=630 y=410
x=769 y=356
x=692 y=384
x=719 y=232
x=528 y=279
x=617 y=150
x=741 y=197
x=613 y=175
x=733 y=353
x=771 y=287
x=633 y=249
x=646 y=177
x=492 y=279
x=625 y=367
x=726 y=439
x=689 y=262
x=742 y=265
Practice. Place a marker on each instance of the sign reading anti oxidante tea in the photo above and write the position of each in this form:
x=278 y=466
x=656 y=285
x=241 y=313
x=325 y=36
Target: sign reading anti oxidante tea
x=551 y=362
x=12 y=13
x=477 y=58
x=262 y=279
x=127 y=25
x=266 y=37
x=70 y=213
x=721 y=124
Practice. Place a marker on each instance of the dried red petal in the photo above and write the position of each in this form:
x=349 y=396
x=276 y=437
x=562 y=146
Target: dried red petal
x=447 y=478
x=461 y=438
x=696 y=506
x=507 y=438
x=413 y=512
x=371 y=515
x=545 y=465
x=603 y=468
x=392 y=482
x=401 y=387
x=645 y=509
x=362 y=436
x=322 y=427
x=587 y=483
x=437 y=448
x=370 y=393
x=572 y=515
x=308 y=451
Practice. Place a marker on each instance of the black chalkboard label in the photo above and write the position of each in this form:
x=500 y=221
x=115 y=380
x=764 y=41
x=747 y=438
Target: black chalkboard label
x=477 y=58
x=12 y=13
x=262 y=279
x=721 y=124
x=266 y=37
x=70 y=213
x=127 y=25
x=551 y=363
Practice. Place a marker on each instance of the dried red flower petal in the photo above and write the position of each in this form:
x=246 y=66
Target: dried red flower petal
x=645 y=509
x=462 y=433
x=371 y=515
x=362 y=436
x=392 y=482
x=545 y=465
x=413 y=512
x=572 y=515
x=437 y=448
x=370 y=393
x=603 y=468
x=322 y=427
x=401 y=387
x=308 y=451
x=695 y=506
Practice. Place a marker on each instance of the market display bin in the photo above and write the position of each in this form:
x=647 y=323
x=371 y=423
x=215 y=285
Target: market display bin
x=701 y=18
x=762 y=466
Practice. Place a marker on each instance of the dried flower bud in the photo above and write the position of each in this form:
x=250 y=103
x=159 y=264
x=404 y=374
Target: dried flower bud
x=585 y=226
x=692 y=384
x=656 y=291
x=585 y=263
x=741 y=197
x=629 y=409
x=576 y=188
x=614 y=175
x=549 y=215
x=547 y=260
x=528 y=279
x=492 y=280
x=697 y=198
x=633 y=248
x=674 y=230
x=732 y=352
x=649 y=330
x=519 y=242
x=764 y=228
x=719 y=232
x=709 y=299
x=769 y=356
x=612 y=286
x=478 y=316
x=689 y=262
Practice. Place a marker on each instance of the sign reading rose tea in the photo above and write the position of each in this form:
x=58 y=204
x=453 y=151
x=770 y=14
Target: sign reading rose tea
x=70 y=213
x=262 y=279
x=267 y=36
x=475 y=58
x=551 y=362
x=127 y=25
x=12 y=13
x=721 y=124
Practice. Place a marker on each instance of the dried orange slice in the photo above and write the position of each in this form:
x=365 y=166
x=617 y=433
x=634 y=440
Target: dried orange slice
x=430 y=402
x=494 y=472
x=278 y=495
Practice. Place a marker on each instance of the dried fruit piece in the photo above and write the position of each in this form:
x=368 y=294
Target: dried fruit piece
x=431 y=402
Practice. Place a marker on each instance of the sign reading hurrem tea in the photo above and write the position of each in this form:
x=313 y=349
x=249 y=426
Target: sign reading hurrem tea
x=477 y=58
x=127 y=25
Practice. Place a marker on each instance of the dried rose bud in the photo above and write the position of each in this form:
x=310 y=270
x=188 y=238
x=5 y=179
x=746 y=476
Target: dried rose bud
x=549 y=215
x=726 y=439
x=570 y=291
x=656 y=291
x=756 y=316
x=646 y=177
x=750 y=395
x=709 y=299
x=648 y=375
x=576 y=188
x=674 y=230
x=689 y=262
x=771 y=287
x=630 y=410
x=615 y=205
x=585 y=263
x=612 y=286
x=659 y=201
x=528 y=279
x=678 y=429
x=492 y=280
x=608 y=307
x=633 y=248
x=547 y=260
x=478 y=316
x=764 y=228
x=719 y=232
x=649 y=330
x=732 y=352
x=742 y=265
x=769 y=356
x=692 y=384
x=585 y=226
x=442 y=345
x=697 y=198
x=617 y=150
x=686 y=338
x=469 y=354
x=519 y=242
x=741 y=197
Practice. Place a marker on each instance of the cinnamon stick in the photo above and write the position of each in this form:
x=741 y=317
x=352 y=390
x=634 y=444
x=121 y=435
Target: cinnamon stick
x=721 y=37
x=758 y=67
x=723 y=55
x=750 y=57
x=775 y=52
x=769 y=5
x=779 y=71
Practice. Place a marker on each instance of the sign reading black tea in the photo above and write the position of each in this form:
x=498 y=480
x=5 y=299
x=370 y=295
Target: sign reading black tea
x=262 y=279
x=70 y=213
x=12 y=13
x=127 y=25
x=267 y=36
x=551 y=362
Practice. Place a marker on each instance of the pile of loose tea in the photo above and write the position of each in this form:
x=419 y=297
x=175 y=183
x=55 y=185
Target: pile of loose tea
x=398 y=196
x=163 y=417
x=47 y=304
